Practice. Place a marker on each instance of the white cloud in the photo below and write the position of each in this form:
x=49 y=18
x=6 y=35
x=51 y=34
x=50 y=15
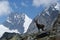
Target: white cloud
x=37 y=3
x=4 y=8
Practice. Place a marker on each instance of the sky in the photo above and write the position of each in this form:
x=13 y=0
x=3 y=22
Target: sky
x=30 y=7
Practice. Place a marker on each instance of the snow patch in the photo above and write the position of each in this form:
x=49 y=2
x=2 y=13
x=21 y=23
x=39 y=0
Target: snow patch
x=53 y=9
x=26 y=23
x=9 y=21
x=47 y=13
x=57 y=6
x=4 y=29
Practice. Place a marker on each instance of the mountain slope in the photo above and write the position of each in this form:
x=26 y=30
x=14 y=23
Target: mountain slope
x=10 y=36
x=46 y=18
x=17 y=23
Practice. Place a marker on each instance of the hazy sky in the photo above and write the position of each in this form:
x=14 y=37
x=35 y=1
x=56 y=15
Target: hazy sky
x=29 y=7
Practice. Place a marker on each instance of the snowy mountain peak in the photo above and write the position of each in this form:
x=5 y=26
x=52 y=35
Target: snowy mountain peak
x=15 y=17
x=57 y=6
x=27 y=23
x=17 y=23
x=48 y=16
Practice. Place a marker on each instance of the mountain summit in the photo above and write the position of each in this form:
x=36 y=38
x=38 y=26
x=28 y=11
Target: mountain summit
x=17 y=23
x=48 y=16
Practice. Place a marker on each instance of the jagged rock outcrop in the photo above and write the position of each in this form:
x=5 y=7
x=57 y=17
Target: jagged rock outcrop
x=10 y=36
x=45 y=20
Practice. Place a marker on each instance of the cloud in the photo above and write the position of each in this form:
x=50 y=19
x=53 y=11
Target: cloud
x=4 y=8
x=37 y=3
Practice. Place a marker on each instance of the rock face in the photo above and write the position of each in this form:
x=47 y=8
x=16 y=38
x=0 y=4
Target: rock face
x=45 y=26
x=10 y=36
x=56 y=28
x=44 y=21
